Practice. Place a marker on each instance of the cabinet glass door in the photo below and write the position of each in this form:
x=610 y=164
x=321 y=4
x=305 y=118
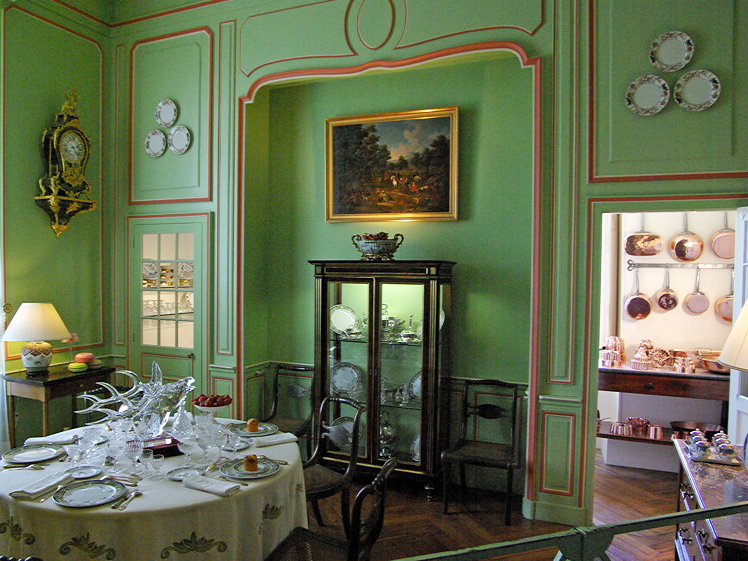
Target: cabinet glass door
x=400 y=366
x=348 y=362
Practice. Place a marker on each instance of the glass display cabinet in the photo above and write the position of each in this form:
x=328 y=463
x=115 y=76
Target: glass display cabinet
x=382 y=337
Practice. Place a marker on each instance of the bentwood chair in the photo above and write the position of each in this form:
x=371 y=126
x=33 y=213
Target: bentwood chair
x=301 y=427
x=321 y=481
x=306 y=545
x=493 y=408
x=4 y=558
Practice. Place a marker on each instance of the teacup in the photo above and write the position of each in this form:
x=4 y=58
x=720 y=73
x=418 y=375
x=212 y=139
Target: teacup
x=700 y=449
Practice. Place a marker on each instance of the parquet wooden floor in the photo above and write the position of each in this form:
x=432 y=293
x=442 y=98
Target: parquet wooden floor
x=414 y=526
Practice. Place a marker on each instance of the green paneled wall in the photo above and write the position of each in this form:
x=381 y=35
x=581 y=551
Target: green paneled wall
x=492 y=279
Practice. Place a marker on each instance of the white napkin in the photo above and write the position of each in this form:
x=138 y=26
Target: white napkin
x=273 y=439
x=41 y=486
x=61 y=438
x=202 y=483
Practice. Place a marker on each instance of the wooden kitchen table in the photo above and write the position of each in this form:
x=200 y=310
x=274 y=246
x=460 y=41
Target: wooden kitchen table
x=60 y=382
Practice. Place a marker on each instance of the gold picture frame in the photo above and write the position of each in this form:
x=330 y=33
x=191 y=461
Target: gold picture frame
x=392 y=166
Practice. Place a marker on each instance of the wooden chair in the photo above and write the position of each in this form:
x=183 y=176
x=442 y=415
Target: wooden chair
x=32 y=558
x=480 y=452
x=321 y=481
x=306 y=545
x=286 y=423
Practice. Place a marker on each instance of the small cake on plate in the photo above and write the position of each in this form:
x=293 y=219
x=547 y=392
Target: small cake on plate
x=253 y=425
x=250 y=462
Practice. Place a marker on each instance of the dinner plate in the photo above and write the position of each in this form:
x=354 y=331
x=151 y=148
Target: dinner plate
x=84 y=472
x=179 y=139
x=263 y=429
x=155 y=143
x=671 y=51
x=235 y=469
x=345 y=377
x=647 y=95
x=343 y=319
x=697 y=90
x=185 y=471
x=166 y=113
x=83 y=494
x=33 y=453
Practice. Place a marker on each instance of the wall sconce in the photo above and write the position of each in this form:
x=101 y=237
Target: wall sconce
x=32 y=323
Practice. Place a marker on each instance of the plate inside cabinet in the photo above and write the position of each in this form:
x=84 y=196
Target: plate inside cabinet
x=179 y=139
x=155 y=143
x=671 y=51
x=647 y=95
x=345 y=378
x=697 y=90
x=166 y=113
x=343 y=319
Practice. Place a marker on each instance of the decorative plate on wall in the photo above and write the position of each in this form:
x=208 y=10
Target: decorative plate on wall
x=697 y=90
x=647 y=95
x=166 y=113
x=179 y=139
x=155 y=143
x=671 y=51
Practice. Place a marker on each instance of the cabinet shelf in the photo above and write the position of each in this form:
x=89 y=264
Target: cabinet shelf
x=667 y=436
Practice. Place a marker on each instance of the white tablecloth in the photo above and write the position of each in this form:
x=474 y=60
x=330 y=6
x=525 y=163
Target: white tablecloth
x=169 y=521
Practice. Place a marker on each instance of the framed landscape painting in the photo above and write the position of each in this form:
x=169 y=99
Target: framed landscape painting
x=392 y=166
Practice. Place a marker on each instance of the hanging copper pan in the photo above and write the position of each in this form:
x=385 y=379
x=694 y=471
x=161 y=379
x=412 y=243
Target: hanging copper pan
x=696 y=302
x=637 y=305
x=666 y=299
x=723 y=242
x=643 y=243
x=686 y=246
x=723 y=305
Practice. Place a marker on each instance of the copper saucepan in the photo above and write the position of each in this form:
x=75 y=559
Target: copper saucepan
x=696 y=302
x=723 y=305
x=643 y=243
x=723 y=242
x=666 y=299
x=637 y=305
x=686 y=246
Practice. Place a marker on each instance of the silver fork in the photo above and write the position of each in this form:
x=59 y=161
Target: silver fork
x=128 y=500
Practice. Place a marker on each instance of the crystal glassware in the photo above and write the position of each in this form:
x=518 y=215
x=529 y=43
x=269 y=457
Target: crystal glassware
x=188 y=447
x=146 y=461
x=157 y=463
x=133 y=450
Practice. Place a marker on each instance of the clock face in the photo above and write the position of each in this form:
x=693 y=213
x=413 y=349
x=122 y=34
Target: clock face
x=72 y=147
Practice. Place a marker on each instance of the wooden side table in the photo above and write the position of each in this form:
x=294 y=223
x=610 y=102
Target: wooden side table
x=59 y=383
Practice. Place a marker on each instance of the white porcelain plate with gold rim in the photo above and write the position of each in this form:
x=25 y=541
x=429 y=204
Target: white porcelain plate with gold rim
x=671 y=51
x=179 y=139
x=697 y=90
x=166 y=113
x=343 y=319
x=155 y=143
x=647 y=95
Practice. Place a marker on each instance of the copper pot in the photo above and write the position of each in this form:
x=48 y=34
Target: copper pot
x=723 y=242
x=643 y=243
x=666 y=299
x=686 y=246
x=637 y=305
x=723 y=305
x=696 y=302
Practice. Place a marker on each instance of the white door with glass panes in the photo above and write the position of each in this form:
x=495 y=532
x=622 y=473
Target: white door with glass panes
x=167 y=279
x=738 y=416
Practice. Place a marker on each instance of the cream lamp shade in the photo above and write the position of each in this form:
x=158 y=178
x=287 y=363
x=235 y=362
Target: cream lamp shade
x=735 y=352
x=33 y=323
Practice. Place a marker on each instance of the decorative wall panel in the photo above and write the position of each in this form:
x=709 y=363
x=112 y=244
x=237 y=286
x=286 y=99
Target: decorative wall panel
x=557 y=471
x=674 y=143
x=176 y=67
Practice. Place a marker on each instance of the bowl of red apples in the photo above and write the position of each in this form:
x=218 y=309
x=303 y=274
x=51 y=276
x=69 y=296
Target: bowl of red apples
x=211 y=403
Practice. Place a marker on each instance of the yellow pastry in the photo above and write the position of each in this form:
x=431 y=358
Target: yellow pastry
x=253 y=425
x=250 y=462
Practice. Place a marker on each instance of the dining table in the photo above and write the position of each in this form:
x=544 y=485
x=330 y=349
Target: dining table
x=168 y=520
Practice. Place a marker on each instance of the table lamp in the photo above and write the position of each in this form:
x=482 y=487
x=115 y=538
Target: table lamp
x=32 y=323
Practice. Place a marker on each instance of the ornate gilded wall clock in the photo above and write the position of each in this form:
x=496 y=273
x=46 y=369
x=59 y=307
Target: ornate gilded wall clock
x=64 y=187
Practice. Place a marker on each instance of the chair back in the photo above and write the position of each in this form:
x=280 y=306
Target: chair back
x=326 y=433
x=366 y=529
x=471 y=409
x=294 y=391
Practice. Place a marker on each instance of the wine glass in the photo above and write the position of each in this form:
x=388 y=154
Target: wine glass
x=116 y=451
x=146 y=460
x=188 y=446
x=133 y=450
x=157 y=463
